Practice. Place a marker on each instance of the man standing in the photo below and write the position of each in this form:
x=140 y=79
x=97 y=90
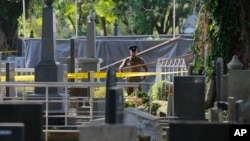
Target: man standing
x=133 y=64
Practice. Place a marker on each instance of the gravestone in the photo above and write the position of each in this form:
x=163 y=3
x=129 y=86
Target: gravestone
x=198 y=131
x=12 y=132
x=48 y=69
x=71 y=59
x=238 y=80
x=114 y=99
x=231 y=109
x=219 y=78
x=89 y=62
x=238 y=84
x=189 y=97
x=114 y=129
x=10 y=77
x=30 y=114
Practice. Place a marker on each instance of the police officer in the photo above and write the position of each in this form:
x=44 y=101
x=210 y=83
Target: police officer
x=133 y=64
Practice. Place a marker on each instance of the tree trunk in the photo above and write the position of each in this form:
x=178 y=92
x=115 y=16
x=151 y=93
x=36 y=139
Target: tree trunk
x=104 y=26
x=211 y=92
x=244 y=19
x=8 y=37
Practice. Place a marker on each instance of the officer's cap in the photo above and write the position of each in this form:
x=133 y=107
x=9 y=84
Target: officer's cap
x=133 y=48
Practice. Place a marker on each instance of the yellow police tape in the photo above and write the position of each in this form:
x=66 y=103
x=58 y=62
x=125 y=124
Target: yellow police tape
x=95 y=75
x=8 y=51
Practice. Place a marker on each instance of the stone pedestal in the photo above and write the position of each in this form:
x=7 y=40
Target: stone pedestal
x=90 y=64
x=48 y=72
x=87 y=65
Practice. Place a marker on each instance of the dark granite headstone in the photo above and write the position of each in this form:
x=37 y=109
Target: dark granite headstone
x=189 y=97
x=28 y=114
x=12 y=132
x=198 y=131
x=10 y=77
x=114 y=100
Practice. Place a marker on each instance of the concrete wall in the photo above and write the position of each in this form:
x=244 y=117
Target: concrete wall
x=146 y=124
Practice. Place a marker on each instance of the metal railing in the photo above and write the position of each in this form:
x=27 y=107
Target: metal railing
x=23 y=89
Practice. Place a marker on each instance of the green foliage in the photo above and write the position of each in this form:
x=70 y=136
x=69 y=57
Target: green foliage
x=138 y=17
x=100 y=92
x=142 y=99
x=10 y=10
x=144 y=17
x=154 y=107
x=130 y=104
x=159 y=91
x=104 y=8
x=144 y=96
x=218 y=32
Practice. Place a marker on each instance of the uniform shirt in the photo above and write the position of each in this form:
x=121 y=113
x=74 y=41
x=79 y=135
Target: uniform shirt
x=132 y=62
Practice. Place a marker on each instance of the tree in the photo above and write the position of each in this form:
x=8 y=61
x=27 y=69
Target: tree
x=223 y=31
x=146 y=16
x=105 y=10
x=10 y=11
x=135 y=17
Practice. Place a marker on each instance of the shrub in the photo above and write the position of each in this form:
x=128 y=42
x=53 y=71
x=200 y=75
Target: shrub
x=159 y=91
